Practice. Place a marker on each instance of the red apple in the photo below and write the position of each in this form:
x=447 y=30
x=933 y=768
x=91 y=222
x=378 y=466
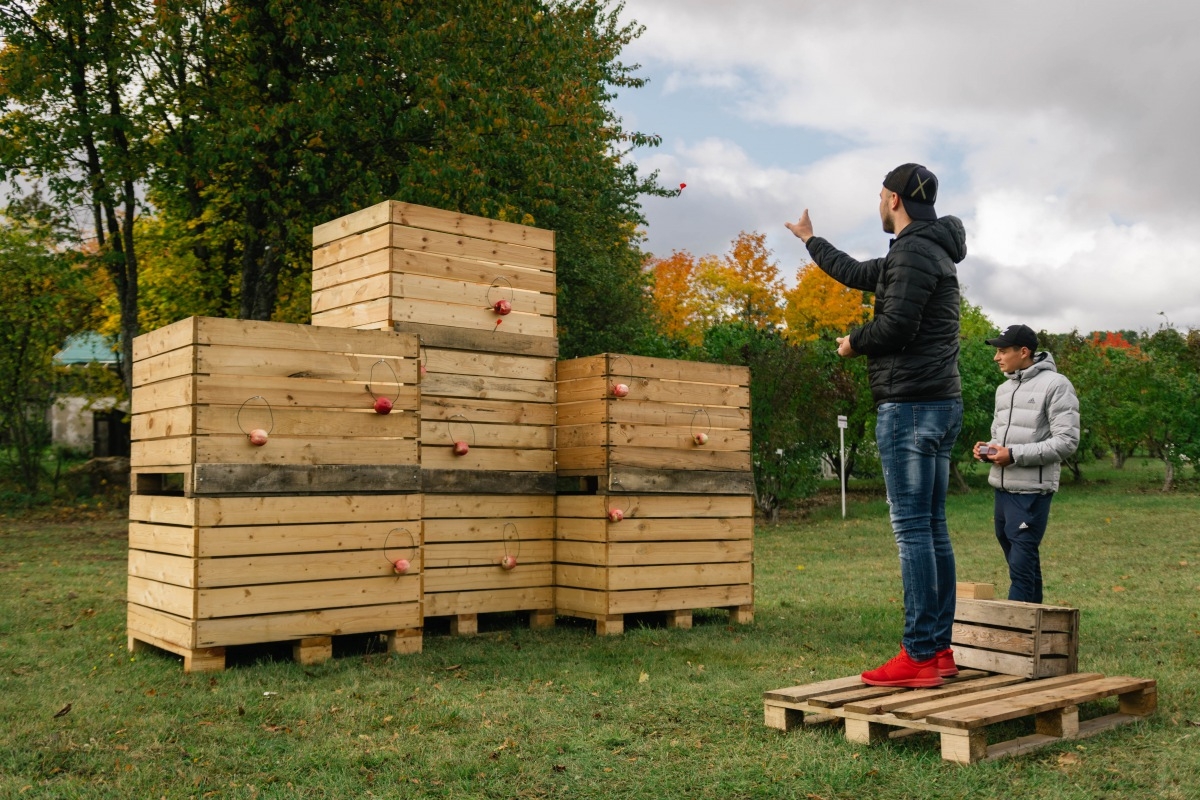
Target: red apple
x=701 y=438
x=461 y=448
x=400 y=565
x=383 y=405
x=616 y=515
x=423 y=370
x=258 y=437
x=619 y=390
x=502 y=307
x=509 y=562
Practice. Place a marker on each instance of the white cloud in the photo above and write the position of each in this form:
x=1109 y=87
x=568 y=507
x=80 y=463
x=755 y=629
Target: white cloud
x=1063 y=134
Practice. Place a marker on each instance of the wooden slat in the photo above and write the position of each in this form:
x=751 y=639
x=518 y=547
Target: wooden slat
x=1009 y=641
x=484 y=554
x=321 y=622
x=293 y=336
x=641 y=412
x=154 y=626
x=180 y=421
x=1015 y=614
x=160 y=596
x=164 y=394
x=677 y=370
x=439 y=531
x=289 y=567
x=622 y=554
x=678 y=481
x=395 y=538
x=1034 y=702
x=439 y=384
x=494 y=341
x=279 y=479
x=288 y=450
x=313 y=422
x=213 y=511
x=1010 y=664
x=443 y=481
x=636 y=602
x=646 y=530
x=480 y=506
x=964 y=684
x=526 y=437
x=475 y=411
x=692 y=506
x=163 y=568
x=477 y=318
x=303 y=596
x=433 y=289
x=679 y=575
x=176 y=539
x=799 y=694
x=170 y=337
x=380 y=373
x=178 y=452
x=434 y=219
x=383 y=261
x=490 y=365
x=162 y=510
x=487 y=458
x=691 y=458
x=531 y=598
x=459 y=579
x=938 y=707
x=164 y=366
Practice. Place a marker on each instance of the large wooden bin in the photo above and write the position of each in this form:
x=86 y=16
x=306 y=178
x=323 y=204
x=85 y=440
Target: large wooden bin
x=210 y=572
x=202 y=385
x=633 y=424
x=1007 y=636
x=629 y=554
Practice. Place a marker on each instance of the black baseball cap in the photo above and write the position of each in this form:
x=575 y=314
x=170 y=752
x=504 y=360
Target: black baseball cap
x=1016 y=336
x=917 y=187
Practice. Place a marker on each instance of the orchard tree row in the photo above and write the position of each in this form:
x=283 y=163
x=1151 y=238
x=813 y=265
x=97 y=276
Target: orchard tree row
x=1136 y=392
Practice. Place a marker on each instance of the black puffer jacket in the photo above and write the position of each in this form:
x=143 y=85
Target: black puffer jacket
x=912 y=343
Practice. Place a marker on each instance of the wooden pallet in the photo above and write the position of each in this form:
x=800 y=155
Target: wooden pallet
x=964 y=710
x=668 y=554
x=683 y=427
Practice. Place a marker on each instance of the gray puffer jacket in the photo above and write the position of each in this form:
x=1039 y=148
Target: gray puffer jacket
x=1037 y=418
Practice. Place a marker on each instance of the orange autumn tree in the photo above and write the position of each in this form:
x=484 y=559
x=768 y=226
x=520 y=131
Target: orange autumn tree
x=819 y=304
x=745 y=283
x=683 y=309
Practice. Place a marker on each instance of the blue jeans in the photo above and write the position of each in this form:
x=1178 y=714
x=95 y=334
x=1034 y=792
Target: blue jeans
x=1020 y=525
x=914 y=442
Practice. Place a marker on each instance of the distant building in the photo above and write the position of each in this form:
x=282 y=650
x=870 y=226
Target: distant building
x=95 y=426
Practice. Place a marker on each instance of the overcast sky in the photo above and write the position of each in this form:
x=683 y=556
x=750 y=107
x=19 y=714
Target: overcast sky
x=1063 y=134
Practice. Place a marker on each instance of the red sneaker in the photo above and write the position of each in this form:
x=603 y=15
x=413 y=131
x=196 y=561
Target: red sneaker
x=945 y=663
x=903 y=671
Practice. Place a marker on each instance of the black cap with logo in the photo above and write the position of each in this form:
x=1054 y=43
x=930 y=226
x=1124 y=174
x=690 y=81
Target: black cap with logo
x=917 y=187
x=1016 y=336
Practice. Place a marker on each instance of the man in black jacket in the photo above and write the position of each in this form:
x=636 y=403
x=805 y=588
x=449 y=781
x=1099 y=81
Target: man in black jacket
x=911 y=346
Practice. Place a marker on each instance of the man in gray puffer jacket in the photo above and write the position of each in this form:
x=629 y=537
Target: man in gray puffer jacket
x=1035 y=428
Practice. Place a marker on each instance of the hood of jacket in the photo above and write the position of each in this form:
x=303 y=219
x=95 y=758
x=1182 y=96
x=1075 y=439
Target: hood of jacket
x=946 y=232
x=1042 y=362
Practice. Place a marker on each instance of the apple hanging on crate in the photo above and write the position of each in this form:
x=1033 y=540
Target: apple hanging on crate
x=258 y=437
x=620 y=389
x=400 y=566
x=616 y=515
x=461 y=448
x=700 y=438
x=508 y=562
x=383 y=405
x=502 y=307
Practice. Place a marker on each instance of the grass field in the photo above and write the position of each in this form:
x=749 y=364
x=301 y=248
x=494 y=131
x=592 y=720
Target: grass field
x=654 y=713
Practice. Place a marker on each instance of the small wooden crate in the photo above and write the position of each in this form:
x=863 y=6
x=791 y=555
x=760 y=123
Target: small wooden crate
x=211 y=572
x=202 y=384
x=397 y=263
x=1014 y=638
x=964 y=711
x=682 y=428
x=466 y=538
x=669 y=553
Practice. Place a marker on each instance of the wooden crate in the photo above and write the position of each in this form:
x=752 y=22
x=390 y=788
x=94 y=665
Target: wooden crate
x=682 y=428
x=202 y=384
x=669 y=553
x=210 y=572
x=466 y=538
x=965 y=711
x=402 y=264
x=1014 y=638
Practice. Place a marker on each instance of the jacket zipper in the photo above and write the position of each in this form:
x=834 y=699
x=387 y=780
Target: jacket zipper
x=1012 y=403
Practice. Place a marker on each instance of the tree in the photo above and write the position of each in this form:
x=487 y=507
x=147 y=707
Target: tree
x=818 y=305
x=1171 y=396
x=44 y=298
x=745 y=285
x=66 y=83
x=979 y=375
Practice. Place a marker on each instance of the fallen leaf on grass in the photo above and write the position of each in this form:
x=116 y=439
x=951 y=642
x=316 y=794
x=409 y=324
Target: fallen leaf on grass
x=560 y=768
x=1118 y=588
x=1194 y=723
x=62 y=712
x=814 y=797
x=644 y=677
x=1067 y=759
x=452 y=667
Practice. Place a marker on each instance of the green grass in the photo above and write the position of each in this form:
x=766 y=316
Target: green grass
x=654 y=713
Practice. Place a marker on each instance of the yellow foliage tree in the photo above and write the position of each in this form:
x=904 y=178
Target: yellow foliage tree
x=745 y=284
x=818 y=304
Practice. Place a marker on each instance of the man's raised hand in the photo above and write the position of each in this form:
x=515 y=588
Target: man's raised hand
x=802 y=229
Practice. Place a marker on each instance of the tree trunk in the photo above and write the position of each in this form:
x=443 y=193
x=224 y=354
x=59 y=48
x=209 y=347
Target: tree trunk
x=959 y=478
x=1169 y=475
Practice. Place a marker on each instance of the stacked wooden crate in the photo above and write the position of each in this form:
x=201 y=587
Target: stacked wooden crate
x=1015 y=638
x=662 y=515
x=481 y=295
x=233 y=542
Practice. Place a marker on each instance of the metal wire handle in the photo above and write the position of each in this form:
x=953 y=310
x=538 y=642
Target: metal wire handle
x=371 y=379
x=512 y=295
x=270 y=411
x=412 y=543
x=692 y=426
x=612 y=368
x=450 y=427
x=516 y=536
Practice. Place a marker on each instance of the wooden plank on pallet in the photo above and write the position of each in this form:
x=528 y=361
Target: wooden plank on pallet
x=966 y=681
x=945 y=705
x=1035 y=700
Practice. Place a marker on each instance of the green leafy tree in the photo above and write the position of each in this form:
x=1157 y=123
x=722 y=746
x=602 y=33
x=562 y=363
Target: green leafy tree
x=980 y=376
x=44 y=298
x=71 y=118
x=1171 y=397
